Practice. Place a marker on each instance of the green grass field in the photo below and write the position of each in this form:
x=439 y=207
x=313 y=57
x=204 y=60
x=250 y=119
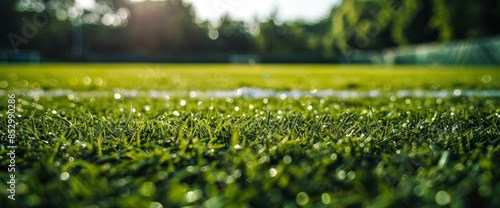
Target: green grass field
x=182 y=150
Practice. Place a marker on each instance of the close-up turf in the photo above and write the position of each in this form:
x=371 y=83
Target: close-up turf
x=149 y=135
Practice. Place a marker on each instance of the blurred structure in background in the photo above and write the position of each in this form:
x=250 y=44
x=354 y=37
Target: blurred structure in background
x=251 y=59
x=22 y=56
x=355 y=31
x=468 y=52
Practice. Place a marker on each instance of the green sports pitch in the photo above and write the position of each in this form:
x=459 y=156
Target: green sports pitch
x=159 y=135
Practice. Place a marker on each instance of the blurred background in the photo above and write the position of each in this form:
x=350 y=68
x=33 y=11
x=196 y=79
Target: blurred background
x=438 y=32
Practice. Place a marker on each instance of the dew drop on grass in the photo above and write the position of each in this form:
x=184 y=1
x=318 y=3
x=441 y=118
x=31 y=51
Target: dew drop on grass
x=442 y=198
x=71 y=97
x=155 y=205
x=182 y=102
x=263 y=159
x=117 y=96
x=273 y=172
x=192 y=94
x=24 y=83
x=98 y=81
x=162 y=175
x=302 y=198
x=237 y=173
x=147 y=189
x=316 y=146
x=237 y=108
x=265 y=101
x=238 y=147
x=4 y=84
x=333 y=156
x=351 y=175
x=341 y=175
x=486 y=78
x=147 y=108
x=122 y=182
x=325 y=198
x=193 y=196
x=347 y=149
x=287 y=159
x=64 y=176
x=283 y=96
x=230 y=180
x=86 y=80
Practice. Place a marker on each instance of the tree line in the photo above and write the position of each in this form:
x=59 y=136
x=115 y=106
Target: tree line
x=170 y=27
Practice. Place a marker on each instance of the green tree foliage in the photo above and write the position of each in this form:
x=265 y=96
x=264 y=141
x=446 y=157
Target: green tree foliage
x=159 y=27
x=153 y=28
x=470 y=19
x=7 y=13
x=168 y=27
x=373 y=24
x=111 y=27
x=292 y=37
x=229 y=36
x=27 y=28
x=366 y=24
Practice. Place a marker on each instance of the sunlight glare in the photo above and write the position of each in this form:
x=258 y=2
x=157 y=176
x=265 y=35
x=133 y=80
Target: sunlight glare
x=85 y=4
x=140 y=1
